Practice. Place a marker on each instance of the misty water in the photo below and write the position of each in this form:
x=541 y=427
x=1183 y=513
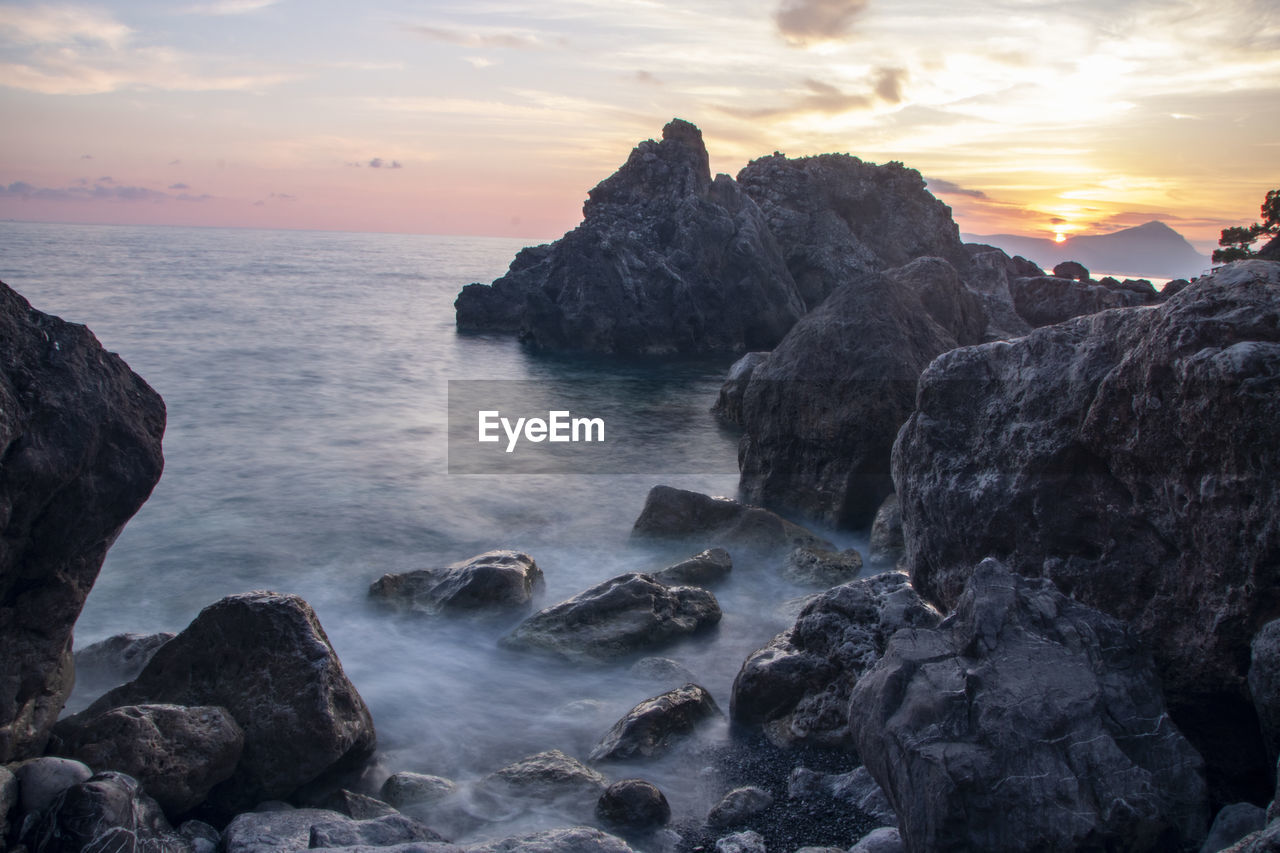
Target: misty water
x=306 y=378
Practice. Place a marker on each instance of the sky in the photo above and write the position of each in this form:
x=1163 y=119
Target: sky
x=1047 y=118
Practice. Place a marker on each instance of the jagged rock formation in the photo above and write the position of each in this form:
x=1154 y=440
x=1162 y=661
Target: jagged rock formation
x=1133 y=457
x=1026 y=721
x=79 y=453
x=666 y=260
x=1045 y=300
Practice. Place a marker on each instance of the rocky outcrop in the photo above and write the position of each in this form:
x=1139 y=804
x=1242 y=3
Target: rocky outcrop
x=633 y=804
x=79 y=453
x=107 y=812
x=264 y=657
x=1045 y=300
x=836 y=218
x=652 y=727
x=666 y=260
x=500 y=580
x=798 y=685
x=1026 y=721
x=1133 y=457
x=671 y=513
x=177 y=753
x=709 y=566
x=988 y=275
x=1072 y=270
x=821 y=412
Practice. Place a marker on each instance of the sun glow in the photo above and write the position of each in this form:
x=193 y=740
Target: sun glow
x=1059 y=237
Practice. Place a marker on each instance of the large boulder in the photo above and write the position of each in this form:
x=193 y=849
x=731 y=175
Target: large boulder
x=1134 y=458
x=836 y=217
x=666 y=260
x=107 y=812
x=798 y=685
x=678 y=514
x=79 y=453
x=988 y=274
x=652 y=727
x=616 y=618
x=264 y=657
x=500 y=580
x=1045 y=300
x=1026 y=721
x=177 y=753
x=821 y=412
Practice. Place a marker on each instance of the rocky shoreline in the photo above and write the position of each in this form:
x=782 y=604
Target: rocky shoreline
x=1065 y=636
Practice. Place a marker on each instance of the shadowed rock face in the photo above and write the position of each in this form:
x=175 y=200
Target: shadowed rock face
x=79 y=453
x=1026 y=721
x=1045 y=300
x=666 y=260
x=1133 y=457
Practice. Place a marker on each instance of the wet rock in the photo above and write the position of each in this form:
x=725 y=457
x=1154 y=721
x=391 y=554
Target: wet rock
x=1045 y=300
x=115 y=660
x=1134 y=458
x=666 y=260
x=274 y=831
x=820 y=567
x=887 y=547
x=495 y=579
x=709 y=566
x=633 y=804
x=1232 y=824
x=176 y=753
x=106 y=812
x=886 y=839
x=356 y=806
x=741 y=842
x=79 y=453
x=264 y=657
x=200 y=836
x=738 y=806
x=728 y=404
x=578 y=839
x=798 y=685
x=1022 y=684
x=616 y=618
x=835 y=217
x=856 y=788
x=821 y=413
x=407 y=790
x=679 y=514
x=652 y=727
x=663 y=670
x=1264 y=683
x=1072 y=270
x=382 y=831
x=549 y=775
x=41 y=780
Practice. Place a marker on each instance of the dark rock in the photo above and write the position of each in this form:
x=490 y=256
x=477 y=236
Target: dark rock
x=728 y=404
x=79 y=453
x=107 y=812
x=652 y=727
x=666 y=260
x=709 y=566
x=578 y=839
x=741 y=842
x=200 y=836
x=1174 y=286
x=799 y=683
x=1233 y=823
x=274 y=831
x=886 y=839
x=887 y=546
x=115 y=660
x=357 y=806
x=1045 y=300
x=1071 y=270
x=176 y=753
x=1266 y=841
x=616 y=618
x=41 y=780
x=820 y=415
x=856 y=788
x=9 y=798
x=1140 y=286
x=1134 y=458
x=836 y=217
x=738 y=806
x=264 y=657
x=495 y=579
x=1264 y=684
x=406 y=790
x=820 y=567
x=661 y=669
x=633 y=804
x=1026 y=721
x=382 y=831
x=988 y=275
x=679 y=514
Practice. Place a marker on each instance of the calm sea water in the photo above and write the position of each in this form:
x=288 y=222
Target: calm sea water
x=306 y=376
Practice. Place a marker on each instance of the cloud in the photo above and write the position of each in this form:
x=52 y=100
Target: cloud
x=229 y=7
x=61 y=25
x=179 y=187
x=889 y=84
x=647 y=78
x=283 y=196
x=86 y=156
x=96 y=192
x=106 y=179
x=175 y=162
x=804 y=22
x=379 y=163
x=516 y=41
x=480 y=61
x=938 y=186
x=825 y=99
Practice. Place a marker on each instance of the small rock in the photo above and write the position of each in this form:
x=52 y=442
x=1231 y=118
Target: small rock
x=495 y=579
x=886 y=839
x=41 y=780
x=680 y=514
x=821 y=567
x=1233 y=823
x=1071 y=269
x=651 y=727
x=578 y=839
x=406 y=789
x=274 y=831
x=741 y=842
x=710 y=566
x=382 y=831
x=111 y=662
x=547 y=775
x=633 y=804
x=738 y=806
x=663 y=670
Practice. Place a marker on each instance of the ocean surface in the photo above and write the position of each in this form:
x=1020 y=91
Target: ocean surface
x=306 y=376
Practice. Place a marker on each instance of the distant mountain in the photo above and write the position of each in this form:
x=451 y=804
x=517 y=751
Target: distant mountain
x=1153 y=250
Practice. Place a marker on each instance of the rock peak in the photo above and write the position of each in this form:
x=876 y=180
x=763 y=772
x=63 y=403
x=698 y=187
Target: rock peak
x=679 y=130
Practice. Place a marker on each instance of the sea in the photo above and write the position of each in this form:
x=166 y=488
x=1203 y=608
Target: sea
x=307 y=377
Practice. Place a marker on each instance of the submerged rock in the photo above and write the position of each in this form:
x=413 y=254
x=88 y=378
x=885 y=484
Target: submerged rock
x=79 y=453
x=820 y=567
x=494 y=579
x=651 y=728
x=709 y=566
x=671 y=513
x=547 y=777
x=616 y=618
x=410 y=791
x=115 y=660
x=264 y=657
x=578 y=839
x=1134 y=458
x=666 y=260
x=1026 y=721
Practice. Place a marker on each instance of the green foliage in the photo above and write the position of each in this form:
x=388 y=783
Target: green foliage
x=1236 y=241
